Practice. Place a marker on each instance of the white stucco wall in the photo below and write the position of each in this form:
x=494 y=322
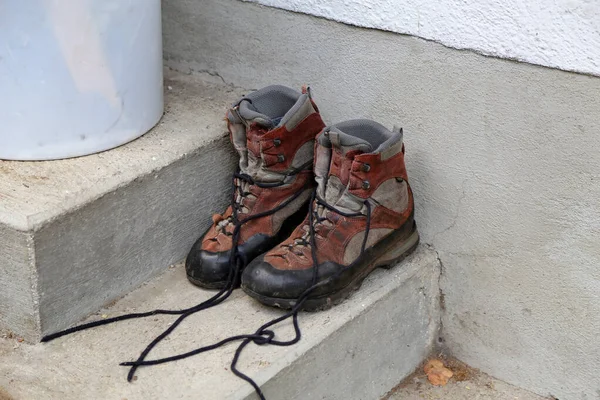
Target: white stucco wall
x=562 y=34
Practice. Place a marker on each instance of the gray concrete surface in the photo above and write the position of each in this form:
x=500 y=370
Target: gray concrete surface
x=357 y=350
x=79 y=233
x=18 y=294
x=477 y=387
x=503 y=157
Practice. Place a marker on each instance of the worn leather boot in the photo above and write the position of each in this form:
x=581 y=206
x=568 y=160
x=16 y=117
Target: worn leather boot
x=273 y=130
x=361 y=218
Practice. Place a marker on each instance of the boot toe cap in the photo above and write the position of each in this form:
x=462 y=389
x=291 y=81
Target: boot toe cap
x=262 y=279
x=207 y=269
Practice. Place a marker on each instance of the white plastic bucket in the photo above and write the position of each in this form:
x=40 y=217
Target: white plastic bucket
x=77 y=77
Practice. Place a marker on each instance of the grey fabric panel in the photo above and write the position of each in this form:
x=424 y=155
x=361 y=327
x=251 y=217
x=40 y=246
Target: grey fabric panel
x=357 y=131
x=338 y=196
x=393 y=145
x=369 y=131
x=251 y=115
x=233 y=118
x=257 y=170
x=323 y=138
x=346 y=143
x=321 y=167
x=238 y=136
x=354 y=245
x=302 y=109
x=350 y=203
x=290 y=209
x=304 y=154
x=392 y=194
x=391 y=149
x=334 y=190
x=268 y=103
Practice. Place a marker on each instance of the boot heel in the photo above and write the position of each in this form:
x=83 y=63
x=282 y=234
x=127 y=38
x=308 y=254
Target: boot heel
x=398 y=253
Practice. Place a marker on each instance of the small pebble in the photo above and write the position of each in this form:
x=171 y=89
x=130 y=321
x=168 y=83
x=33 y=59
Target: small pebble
x=104 y=316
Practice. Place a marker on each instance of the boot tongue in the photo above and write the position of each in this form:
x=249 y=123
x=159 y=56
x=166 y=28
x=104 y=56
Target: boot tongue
x=333 y=188
x=239 y=118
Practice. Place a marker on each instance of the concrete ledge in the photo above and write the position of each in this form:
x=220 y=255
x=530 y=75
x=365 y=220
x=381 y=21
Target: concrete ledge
x=357 y=350
x=79 y=233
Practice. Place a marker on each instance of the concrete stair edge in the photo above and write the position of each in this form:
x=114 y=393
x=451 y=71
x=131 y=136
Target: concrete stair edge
x=359 y=349
x=96 y=227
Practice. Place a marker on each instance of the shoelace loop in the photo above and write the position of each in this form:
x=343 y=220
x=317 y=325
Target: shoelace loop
x=237 y=264
x=263 y=335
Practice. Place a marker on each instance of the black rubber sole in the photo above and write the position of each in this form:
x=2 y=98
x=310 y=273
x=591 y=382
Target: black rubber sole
x=209 y=285
x=324 y=302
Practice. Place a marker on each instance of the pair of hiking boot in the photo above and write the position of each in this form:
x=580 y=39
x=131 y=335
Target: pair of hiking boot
x=314 y=209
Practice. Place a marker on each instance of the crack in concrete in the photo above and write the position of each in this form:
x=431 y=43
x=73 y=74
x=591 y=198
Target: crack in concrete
x=191 y=70
x=456 y=213
x=442 y=300
x=439 y=345
x=214 y=73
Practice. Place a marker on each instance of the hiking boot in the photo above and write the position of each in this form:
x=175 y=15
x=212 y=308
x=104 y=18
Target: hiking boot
x=361 y=218
x=273 y=130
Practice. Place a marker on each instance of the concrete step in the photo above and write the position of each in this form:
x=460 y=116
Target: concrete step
x=76 y=234
x=358 y=350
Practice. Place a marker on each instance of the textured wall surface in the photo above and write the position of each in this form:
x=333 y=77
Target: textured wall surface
x=563 y=33
x=504 y=159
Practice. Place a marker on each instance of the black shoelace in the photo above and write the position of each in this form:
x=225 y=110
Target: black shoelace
x=264 y=335
x=236 y=262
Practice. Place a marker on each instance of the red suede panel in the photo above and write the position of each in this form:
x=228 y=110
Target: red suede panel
x=267 y=199
x=271 y=198
x=380 y=171
x=332 y=242
x=215 y=240
x=289 y=142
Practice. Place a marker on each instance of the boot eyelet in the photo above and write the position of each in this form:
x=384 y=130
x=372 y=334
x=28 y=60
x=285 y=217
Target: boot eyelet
x=277 y=142
x=366 y=185
x=280 y=158
x=366 y=167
